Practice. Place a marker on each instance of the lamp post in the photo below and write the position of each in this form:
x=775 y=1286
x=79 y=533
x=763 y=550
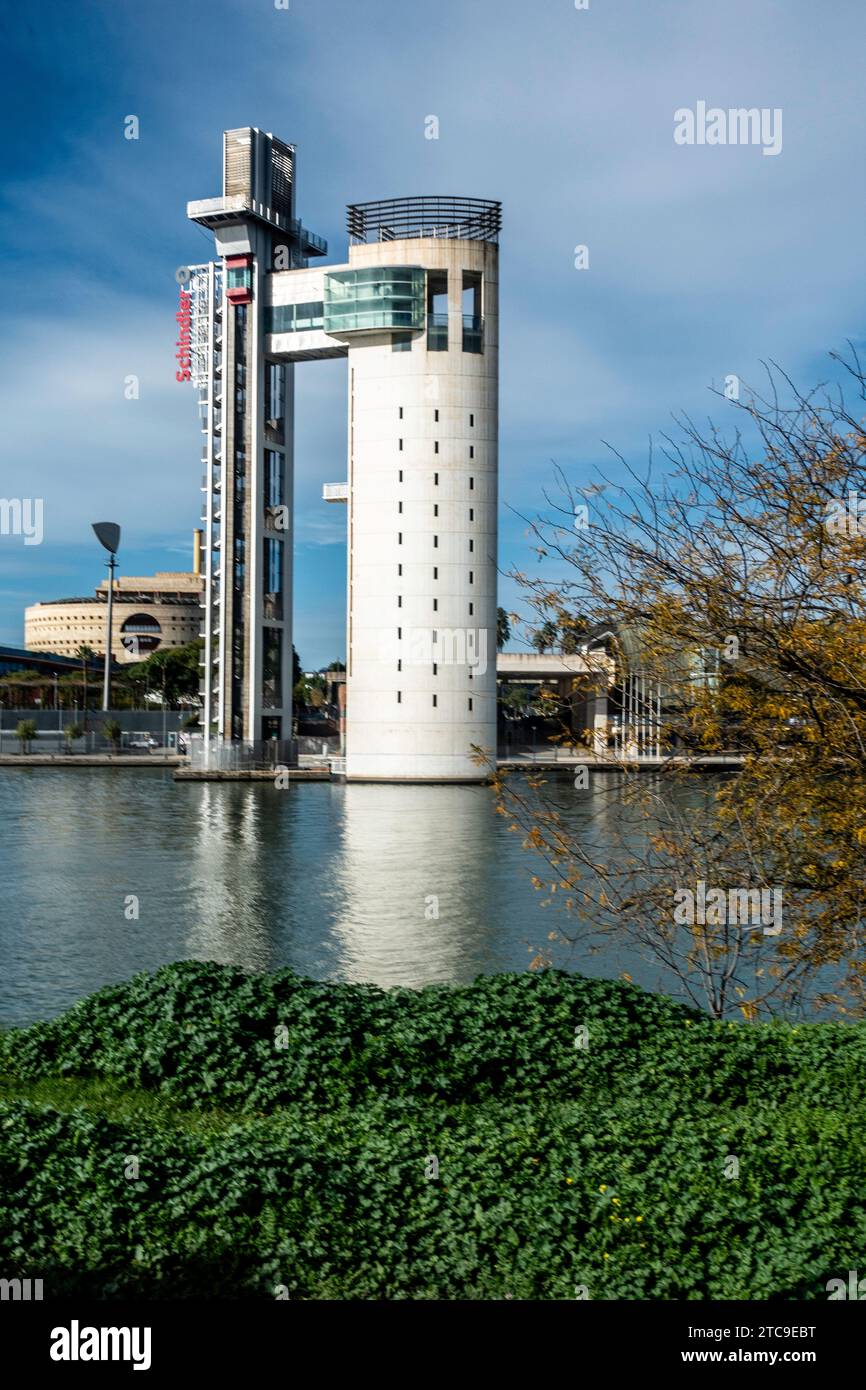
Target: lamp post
x=108 y=535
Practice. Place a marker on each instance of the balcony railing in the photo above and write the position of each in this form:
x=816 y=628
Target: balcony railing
x=392 y=219
x=437 y=332
x=473 y=333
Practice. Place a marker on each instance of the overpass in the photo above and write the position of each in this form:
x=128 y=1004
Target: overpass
x=549 y=666
x=583 y=679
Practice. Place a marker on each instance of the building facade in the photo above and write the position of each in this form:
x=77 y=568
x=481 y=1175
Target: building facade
x=414 y=310
x=151 y=612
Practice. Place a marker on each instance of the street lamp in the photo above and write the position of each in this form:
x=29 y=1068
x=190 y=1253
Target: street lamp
x=108 y=535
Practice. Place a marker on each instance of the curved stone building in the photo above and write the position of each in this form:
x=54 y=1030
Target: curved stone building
x=150 y=612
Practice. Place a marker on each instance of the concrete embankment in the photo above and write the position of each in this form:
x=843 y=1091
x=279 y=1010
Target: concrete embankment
x=253 y=774
x=148 y=761
x=73 y=760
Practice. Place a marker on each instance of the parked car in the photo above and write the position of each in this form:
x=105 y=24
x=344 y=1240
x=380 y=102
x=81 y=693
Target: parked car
x=146 y=741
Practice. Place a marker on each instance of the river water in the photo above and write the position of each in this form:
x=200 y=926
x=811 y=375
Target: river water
x=337 y=881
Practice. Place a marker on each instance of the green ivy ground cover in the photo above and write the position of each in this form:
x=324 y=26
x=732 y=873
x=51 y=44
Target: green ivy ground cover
x=203 y=1131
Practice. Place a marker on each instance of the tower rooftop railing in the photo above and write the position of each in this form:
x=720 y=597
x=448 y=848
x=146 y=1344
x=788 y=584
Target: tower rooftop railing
x=394 y=219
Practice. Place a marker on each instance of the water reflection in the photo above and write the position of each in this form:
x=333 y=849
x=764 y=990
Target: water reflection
x=227 y=917
x=417 y=878
x=336 y=881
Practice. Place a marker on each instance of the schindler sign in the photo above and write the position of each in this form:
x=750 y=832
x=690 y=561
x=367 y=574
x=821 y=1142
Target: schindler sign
x=184 y=323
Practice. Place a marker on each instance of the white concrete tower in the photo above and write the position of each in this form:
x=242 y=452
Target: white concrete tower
x=422 y=486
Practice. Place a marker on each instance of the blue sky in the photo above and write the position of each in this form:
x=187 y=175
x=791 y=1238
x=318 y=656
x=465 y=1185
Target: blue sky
x=703 y=261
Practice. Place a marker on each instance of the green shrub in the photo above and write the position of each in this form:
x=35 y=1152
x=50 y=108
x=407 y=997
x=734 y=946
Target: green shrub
x=25 y=732
x=305 y=1166
x=205 y=1033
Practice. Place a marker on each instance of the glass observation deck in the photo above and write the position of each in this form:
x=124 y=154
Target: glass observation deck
x=375 y=299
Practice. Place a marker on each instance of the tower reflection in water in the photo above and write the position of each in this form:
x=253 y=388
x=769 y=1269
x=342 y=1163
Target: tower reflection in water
x=229 y=918
x=387 y=883
x=417 y=880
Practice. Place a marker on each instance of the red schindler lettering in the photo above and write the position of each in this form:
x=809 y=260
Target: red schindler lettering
x=184 y=323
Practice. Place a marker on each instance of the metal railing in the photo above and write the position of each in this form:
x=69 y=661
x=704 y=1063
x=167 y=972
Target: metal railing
x=437 y=332
x=261 y=756
x=454 y=217
x=473 y=333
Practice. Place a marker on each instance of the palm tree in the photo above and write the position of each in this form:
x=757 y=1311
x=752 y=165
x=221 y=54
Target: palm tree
x=544 y=637
x=503 y=628
x=112 y=730
x=573 y=632
x=85 y=654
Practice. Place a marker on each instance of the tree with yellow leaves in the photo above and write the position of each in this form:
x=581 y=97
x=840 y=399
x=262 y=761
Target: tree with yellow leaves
x=732 y=579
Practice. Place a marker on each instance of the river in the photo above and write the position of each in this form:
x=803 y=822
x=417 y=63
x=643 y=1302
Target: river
x=391 y=884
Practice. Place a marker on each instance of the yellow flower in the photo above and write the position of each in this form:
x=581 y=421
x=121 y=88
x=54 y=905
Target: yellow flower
x=569 y=1180
x=615 y=1201
x=606 y=1255
x=638 y=1218
x=603 y=1187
